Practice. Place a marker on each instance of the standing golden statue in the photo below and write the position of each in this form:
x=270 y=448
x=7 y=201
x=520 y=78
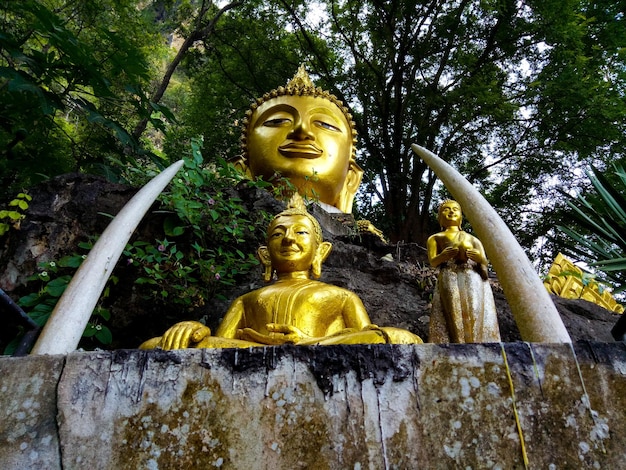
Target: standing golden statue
x=463 y=308
x=294 y=309
x=306 y=135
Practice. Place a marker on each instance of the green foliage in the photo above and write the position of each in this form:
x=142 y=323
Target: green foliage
x=209 y=220
x=13 y=217
x=517 y=96
x=71 y=82
x=50 y=283
x=598 y=226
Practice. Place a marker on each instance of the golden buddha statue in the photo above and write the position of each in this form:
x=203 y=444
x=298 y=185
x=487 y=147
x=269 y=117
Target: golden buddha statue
x=463 y=308
x=567 y=280
x=306 y=135
x=294 y=309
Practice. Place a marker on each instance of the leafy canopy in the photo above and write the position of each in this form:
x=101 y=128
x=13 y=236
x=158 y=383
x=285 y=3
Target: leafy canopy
x=72 y=77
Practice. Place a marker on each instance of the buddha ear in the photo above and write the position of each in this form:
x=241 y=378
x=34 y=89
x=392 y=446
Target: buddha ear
x=266 y=261
x=264 y=255
x=323 y=250
x=350 y=187
x=241 y=166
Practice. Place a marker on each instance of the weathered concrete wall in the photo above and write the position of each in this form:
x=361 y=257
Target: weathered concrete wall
x=356 y=407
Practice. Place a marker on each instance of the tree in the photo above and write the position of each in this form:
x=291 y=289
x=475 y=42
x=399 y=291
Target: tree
x=517 y=95
x=479 y=83
x=71 y=82
x=573 y=116
x=197 y=29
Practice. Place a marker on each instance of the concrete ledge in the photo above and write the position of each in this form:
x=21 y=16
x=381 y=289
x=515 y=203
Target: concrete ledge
x=422 y=406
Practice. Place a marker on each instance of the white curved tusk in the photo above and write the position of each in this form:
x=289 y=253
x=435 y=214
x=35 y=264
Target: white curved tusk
x=69 y=318
x=535 y=314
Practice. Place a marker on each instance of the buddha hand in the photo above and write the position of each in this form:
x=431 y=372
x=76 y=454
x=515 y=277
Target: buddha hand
x=278 y=334
x=450 y=252
x=184 y=335
x=288 y=333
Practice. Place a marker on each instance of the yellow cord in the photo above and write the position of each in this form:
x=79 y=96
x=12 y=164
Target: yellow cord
x=517 y=421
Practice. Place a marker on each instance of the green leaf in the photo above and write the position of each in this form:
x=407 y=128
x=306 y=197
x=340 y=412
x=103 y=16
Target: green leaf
x=171 y=227
x=40 y=314
x=104 y=335
x=29 y=300
x=617 y=264
x=13 y=215
x=104 y=313
x=602 y=217
x=10 y=348
x=57 y=286
x=196 y=146
x=90 y=331
x=73 y=261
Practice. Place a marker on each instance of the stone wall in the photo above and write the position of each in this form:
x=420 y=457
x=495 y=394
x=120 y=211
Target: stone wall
x=353 y=407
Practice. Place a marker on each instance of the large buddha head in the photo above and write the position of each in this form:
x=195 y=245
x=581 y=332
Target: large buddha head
x=306 y=135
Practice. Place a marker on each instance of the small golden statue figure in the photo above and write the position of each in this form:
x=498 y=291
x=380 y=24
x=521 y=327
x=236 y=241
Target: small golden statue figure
x=463 y=308
x=306 y=135
x=567 y=280
x=294 y=309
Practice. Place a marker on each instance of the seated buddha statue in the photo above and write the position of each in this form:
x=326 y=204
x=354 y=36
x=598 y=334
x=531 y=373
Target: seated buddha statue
x=305 y=135
x=293 y=309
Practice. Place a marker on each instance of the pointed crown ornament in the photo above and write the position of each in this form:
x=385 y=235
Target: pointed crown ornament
x=297 y=206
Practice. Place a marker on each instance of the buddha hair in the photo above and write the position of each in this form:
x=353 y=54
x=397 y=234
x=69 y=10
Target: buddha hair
x=296 y=206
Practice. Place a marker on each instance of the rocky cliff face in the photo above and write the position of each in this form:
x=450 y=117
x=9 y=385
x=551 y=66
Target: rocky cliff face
x=394 y=281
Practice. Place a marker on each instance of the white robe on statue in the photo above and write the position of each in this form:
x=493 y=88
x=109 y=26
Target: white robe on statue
x=463 y=308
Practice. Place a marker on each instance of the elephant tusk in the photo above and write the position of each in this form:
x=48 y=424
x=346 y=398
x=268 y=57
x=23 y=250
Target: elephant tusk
x=535 y=314
x=69 y=318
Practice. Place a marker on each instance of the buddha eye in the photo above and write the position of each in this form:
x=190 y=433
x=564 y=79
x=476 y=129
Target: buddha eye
x=277 y=122
x=328 y=126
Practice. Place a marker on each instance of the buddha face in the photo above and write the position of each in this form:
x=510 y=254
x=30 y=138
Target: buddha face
x=450 y=214
x=291 y=243
x=306 y=139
